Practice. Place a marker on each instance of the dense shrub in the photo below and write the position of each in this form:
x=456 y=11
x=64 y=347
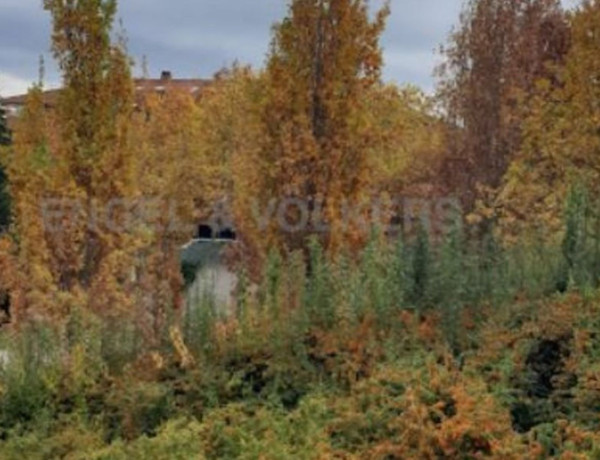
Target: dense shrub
x=455 y=348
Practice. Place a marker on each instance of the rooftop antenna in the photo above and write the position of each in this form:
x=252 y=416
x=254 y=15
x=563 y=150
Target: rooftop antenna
x=145 y=71
x=41 y=71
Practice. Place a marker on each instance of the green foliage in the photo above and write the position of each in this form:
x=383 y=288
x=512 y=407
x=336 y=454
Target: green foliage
x=5 y=217
x=452 y=283
x=444 y=344
x=5 y=140
x=421 y=268
x=188 y=271
x=5 y=136
x=318 y=296
x=452 y=345
x=579 y=245
x=177 y=439
x=30 y=376
x=199 y=321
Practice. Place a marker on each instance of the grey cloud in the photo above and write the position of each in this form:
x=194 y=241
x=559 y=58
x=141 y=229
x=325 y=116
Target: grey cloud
x=195 y=38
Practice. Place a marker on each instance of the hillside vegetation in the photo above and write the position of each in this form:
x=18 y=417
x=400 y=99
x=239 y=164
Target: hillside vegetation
x=418 y=275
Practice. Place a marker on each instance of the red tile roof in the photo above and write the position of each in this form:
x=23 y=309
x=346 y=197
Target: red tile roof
x=50 y=97
x=166 y=82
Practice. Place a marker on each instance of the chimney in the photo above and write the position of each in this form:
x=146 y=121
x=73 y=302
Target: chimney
x=166 y=75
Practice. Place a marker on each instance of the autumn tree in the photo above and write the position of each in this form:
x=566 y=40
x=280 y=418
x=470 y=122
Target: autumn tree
x=492 y=62
x=27 y=273
x=324 y=58
x=173 y=174
x=411 y=137
x=561 y=143
x=71 y=171
x=230 y=134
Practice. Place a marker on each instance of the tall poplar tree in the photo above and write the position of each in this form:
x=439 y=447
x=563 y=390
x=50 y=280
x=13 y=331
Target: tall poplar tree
x=78 y=157
x=492 y=62
x=561 y=147
x=325 y=57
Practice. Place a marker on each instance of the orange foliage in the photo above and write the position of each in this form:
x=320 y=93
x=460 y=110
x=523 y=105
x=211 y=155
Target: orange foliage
x=561 y=145
x=79 y=173
x=317 y=136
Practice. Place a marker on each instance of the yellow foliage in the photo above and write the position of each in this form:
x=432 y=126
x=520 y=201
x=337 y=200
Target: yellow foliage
x=410 y=137
x=185 y=358
x=316 y=134
x=561 y=145
x=78 y=157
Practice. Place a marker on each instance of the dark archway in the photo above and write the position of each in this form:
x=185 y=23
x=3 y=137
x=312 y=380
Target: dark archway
x=4 y=307
x=208 y=232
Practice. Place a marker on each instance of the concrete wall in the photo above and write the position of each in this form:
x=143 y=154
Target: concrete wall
x=213 y=278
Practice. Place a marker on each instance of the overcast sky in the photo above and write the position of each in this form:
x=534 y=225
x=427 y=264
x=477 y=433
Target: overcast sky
x=195 y=38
